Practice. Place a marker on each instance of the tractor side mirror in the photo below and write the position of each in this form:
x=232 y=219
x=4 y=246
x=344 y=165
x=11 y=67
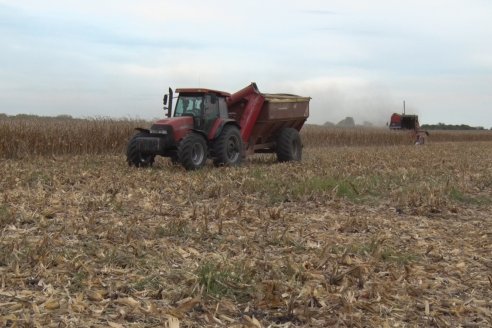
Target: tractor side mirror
x=164 y=102
x=170 y=98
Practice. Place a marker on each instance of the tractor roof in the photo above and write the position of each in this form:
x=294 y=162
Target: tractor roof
x=203 y=90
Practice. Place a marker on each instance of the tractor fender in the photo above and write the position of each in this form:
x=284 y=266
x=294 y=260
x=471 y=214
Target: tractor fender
x=201 y=132
x=224 y=124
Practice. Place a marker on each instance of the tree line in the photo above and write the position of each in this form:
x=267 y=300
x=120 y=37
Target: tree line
x=442 y=126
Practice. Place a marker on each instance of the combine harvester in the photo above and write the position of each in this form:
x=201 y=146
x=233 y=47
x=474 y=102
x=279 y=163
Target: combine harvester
x=223 y=127
x=410 y=123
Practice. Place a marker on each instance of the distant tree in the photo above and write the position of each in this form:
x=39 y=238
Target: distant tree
x=328 y=123
x=442 y=126
x=65 y=117
x=347 y=122
x=23 y=116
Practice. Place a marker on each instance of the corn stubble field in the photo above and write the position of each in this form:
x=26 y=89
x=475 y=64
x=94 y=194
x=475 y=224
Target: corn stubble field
x=379 y=234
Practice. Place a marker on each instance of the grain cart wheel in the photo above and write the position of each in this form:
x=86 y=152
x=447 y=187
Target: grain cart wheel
x=289 y=146
x=133 y=154
x=192 y=151
x=228 y=147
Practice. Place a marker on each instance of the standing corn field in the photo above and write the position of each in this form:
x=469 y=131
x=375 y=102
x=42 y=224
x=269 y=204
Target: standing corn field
x=38 y=136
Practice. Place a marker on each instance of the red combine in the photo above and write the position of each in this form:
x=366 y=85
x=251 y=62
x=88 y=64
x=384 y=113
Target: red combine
x=409 y=123
x=224 y=127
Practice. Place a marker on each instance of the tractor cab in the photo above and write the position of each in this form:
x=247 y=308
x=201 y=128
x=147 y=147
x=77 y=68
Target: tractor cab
x=204 y=105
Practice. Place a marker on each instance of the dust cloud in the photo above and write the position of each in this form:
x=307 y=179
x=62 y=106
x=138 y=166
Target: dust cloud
x=334 y=99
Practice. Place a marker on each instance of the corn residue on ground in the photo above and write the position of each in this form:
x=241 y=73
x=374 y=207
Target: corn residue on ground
x=376 y=236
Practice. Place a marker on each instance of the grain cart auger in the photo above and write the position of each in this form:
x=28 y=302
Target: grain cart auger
x=223 y=127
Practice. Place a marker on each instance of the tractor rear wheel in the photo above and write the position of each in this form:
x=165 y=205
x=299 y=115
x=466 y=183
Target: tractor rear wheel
x=289 y=146
x=228 y=147
x=133 y=154
x=192 y=151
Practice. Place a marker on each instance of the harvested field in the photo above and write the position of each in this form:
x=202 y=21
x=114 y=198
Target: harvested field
x=391 y=236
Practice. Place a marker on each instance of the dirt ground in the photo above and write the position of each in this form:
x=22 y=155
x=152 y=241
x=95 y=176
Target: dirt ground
x=395 y=236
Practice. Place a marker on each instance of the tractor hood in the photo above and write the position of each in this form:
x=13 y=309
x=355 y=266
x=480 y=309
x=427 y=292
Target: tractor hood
x=176 y=122
x=179 y=126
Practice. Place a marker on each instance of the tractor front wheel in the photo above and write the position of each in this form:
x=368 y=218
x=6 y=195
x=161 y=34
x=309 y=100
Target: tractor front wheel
x=289 y=146
x=228 y=147
x=192 y=151
x=133 y=154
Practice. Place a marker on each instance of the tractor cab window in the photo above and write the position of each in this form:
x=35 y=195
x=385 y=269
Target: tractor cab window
x=211 y=111
x=189 y=106
x=211 y=108
x=223 y=108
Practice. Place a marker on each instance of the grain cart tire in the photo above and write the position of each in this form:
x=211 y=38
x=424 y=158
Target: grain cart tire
x=289 y=146
x=133 y=154
x=192 y=151
x=228 y=147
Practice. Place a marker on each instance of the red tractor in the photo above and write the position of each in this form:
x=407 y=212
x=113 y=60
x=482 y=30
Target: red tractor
x=224 y=127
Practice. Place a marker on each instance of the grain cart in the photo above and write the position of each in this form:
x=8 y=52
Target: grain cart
x=226 y=128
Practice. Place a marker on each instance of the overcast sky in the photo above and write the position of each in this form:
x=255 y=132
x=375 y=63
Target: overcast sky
x=354 y=58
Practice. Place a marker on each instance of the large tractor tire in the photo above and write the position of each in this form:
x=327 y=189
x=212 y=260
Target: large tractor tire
x=289 y=146
x=133 y=154
x=192 y=151
x=228 y=147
